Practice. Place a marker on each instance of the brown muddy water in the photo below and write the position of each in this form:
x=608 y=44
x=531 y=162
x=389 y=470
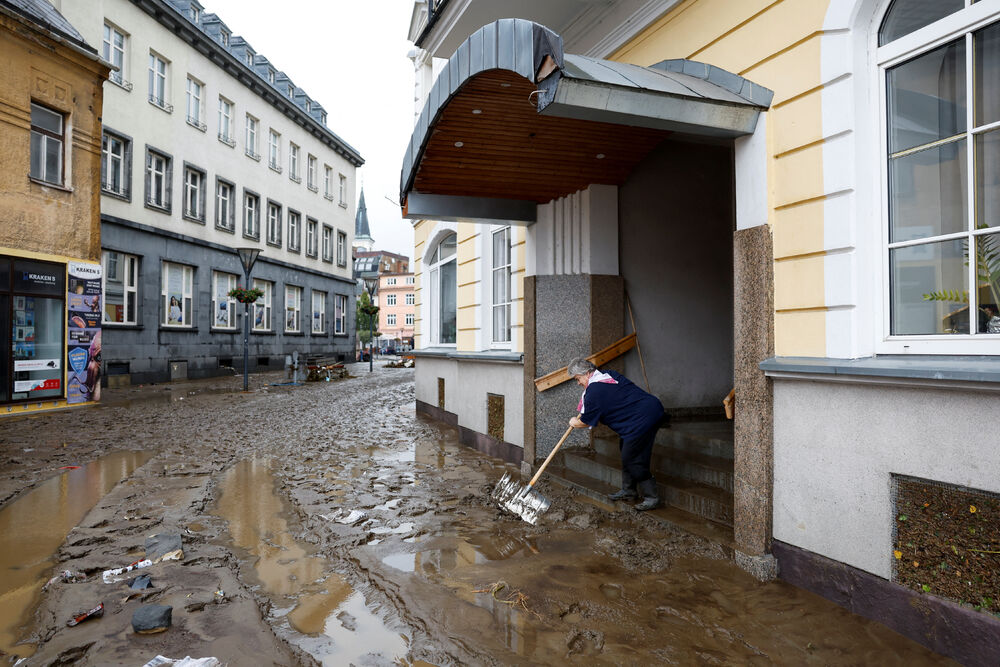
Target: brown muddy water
x=35 y=525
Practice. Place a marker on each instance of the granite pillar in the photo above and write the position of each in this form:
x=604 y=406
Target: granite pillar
x=753 y=319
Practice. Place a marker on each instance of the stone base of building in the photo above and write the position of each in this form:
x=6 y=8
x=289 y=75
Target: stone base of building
x=761 y=568
x=479 y=441
x=967 y=636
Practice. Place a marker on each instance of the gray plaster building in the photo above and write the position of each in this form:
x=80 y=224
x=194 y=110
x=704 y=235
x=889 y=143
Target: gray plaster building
x=208 y=147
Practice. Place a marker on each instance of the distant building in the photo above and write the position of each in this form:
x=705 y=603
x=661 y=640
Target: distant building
x=50 y=237
x=207 y=147
x=397 y=310
x=369 y=263
x=362 y=234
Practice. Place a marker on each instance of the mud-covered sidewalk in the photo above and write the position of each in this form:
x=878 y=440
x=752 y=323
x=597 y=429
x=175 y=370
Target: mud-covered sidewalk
x=328 y=524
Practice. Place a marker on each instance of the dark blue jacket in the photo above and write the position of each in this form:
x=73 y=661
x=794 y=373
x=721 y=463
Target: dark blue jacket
x=626 y=409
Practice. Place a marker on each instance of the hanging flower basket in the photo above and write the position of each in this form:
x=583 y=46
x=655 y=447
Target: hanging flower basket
x=244 y=295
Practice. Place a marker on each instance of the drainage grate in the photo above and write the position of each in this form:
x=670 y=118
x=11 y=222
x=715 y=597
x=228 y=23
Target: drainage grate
x=495 y=415
x=225 y=362
x=263 y=361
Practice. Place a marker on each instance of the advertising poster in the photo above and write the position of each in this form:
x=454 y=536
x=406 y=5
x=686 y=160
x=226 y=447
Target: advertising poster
x=84 y=333
x=175 y=297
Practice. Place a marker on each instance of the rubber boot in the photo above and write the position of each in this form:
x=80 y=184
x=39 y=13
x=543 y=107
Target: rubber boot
x=627 y=491
x=650 y=496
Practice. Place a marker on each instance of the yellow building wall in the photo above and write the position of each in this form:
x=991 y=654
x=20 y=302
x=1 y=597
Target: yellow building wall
x=777 y=45
x=421 y=230
x=57 y=221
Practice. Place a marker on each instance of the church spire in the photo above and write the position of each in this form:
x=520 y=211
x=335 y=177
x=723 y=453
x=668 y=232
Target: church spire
x=362 y=233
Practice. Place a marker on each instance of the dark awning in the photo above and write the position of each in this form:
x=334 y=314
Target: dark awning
x=512 y=122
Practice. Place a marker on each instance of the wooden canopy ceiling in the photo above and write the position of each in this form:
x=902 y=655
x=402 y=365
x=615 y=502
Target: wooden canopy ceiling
x=489 y=141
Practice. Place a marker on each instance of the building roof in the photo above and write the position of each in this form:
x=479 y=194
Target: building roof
x=361 y=229
x=48 y=17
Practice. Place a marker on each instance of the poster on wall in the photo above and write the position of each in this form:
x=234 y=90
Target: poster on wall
x=175 y=297
x=83 y=355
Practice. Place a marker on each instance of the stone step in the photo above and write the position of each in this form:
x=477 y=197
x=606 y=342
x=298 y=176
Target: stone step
x=706 y=439
x=710 y=471
x=705 y=501
x=669 y=515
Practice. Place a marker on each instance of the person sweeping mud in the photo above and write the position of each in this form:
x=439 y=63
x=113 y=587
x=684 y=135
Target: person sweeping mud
x=635 y=415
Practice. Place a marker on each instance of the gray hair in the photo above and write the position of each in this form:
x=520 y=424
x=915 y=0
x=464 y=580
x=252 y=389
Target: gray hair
x=580 y=366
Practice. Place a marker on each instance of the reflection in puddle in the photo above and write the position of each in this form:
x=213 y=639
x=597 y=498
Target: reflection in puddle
x=330 y=620
x=402 y=528
x=35 y=525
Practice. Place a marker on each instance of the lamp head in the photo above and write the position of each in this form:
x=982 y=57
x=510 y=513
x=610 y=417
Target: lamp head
x=248 y=257
x=371 y=283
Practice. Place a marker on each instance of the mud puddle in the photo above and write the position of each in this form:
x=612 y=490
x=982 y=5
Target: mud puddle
x=36 y=524
x=313 y=606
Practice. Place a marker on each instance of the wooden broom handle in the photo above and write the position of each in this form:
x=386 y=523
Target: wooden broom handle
x=551 y=454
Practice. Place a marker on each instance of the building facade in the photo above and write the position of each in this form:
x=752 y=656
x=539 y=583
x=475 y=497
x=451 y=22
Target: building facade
x=50 y=242
x=208 y=147
x=833 y=259
x=397 y=310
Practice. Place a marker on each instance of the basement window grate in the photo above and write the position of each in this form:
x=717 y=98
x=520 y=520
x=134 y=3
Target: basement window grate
x=441 y=393
x=495 y=415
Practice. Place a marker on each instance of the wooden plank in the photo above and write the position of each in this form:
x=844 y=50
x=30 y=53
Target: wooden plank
x=613 y=351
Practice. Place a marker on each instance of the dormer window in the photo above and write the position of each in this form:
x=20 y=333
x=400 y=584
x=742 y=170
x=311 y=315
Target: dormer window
x=309 y=106
x=224 y=36
x=322 y=118
x=195 y=14
x=249 y=58
x=291 y=90
x=270 y=76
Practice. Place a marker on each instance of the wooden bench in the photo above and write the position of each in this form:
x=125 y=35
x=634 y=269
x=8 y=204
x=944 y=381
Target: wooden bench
x=324 y=368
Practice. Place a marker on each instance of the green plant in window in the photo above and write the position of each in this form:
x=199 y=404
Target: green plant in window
x=987 y=272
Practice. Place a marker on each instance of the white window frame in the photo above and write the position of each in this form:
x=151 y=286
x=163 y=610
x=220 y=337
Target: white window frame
x=274 y=151
x=390 y=299
x=159 y=79
x=328 y=182
x=222 y=283
x=159 y=166
x=226 y=109
x=251 y=215
x=293 y=162
x=327 y=243
x=340 y=314
x=312 y=228
x=252 y=136
x=120 y=161
x=115 y=54
x=293 y=309
x=294 y=231
x=410 y=299
x=434 y=274
x=908 y=47
x=499 y=271
x=195 y=91
x=311 y=169
x=194 y=193
x=225 y=215
x=128 y=267
x=42 y=140
x=343 y=190
x=318 y=325
x=262 y=306
x=409 y=320
x=390 y=319
x=390 y=281
x=341 y=248
x=186 y=301
x=274 y=223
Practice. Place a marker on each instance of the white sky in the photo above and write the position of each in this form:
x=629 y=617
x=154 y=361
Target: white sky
x=350 y=56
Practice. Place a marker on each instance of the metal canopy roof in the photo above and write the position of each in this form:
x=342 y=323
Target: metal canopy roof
x=512 y=122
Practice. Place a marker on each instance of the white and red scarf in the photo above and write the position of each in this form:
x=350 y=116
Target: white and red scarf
x=596 y=376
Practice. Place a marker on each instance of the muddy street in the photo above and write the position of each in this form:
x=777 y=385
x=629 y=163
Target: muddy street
x=328 y=524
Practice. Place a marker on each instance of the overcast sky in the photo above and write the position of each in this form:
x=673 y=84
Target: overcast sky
x=350 y=56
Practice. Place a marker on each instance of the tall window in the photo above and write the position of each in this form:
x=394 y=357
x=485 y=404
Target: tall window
x=294 y=231
x=176 y=295
x=341 y=249
x=390 y=319
x=119 y=278
x=158 y=80
x=251 y=215
x=390 y=300
x=253 y=125
x=47 y=128
x=223 y=306
x=194 y=193
x=274 y=151
x=158 y=177
x=293 y=308
x=409 y=319
x=293 y=162
x=327 y=243
x=194 y=91
x=410 y=299
x=311 y=232
x=262 y=306
x=311 y=173
x=318 y=312
x=274 y=223
x=390 y=281
x=116 y=164
x=328 y=181
x=340 y=314
x=114 y=53
x=942 y=110
x=442 y=270
x=501 y=285
x=224 y=216
x=343 y=190
x=226 y=121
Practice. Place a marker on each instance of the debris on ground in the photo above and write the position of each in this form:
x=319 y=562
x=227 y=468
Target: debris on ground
x=141 y=582
x=112 y=576
x=515 y=598
x=152 y=618
x=66 y=577
x=186 y=661
x=82 y=616
x=164 y=547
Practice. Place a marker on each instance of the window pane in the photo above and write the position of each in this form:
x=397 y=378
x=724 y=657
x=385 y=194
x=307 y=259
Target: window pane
x=906 y=16
x=987 y=69
x=927 y=193
x=929 y=289
x=927 y=97
x=988 y=180
x=53 y=160
x=988 y=282
x=42 y=339
x=45 y=119
x=446 y=248
x=448 y=302
x=36 y=155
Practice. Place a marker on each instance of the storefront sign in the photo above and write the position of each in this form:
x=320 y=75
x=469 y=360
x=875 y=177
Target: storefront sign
x=84 y=341
x=38 y=277
x=21 y=386
x=37 y=365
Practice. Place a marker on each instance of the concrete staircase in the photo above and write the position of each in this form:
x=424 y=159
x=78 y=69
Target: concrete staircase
x=693 y=466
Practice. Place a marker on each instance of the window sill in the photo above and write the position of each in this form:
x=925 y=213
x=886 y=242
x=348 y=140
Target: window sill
x=194 y=219
x=221 y=330
x=54 y=186
x=197 y=124
x=318 y=333
x=228 y=230
x=274 y=244
x=295 y=250
x=123 y=84
x=159 y=209
x=328 y=198
x=227 y=141
x=312 y=256
x=251 y=237
x=343 y=204
x=250 y=154
x=180 y=329
x=262 y=332
x=328 y=261
x=340 y=335
x=312 y=188
x=295 y=179
x=123 y=196
x=294 y=333
x=922 y=370
x=161 y=105
x=122 y=326
x=274 y=167
x=342 y=265
x=492 y=356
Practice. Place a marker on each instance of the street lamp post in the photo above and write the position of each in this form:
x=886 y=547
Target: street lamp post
x=248 y=256
x=371 y=284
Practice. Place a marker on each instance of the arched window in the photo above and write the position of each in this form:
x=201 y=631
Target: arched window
x=942 y=143
x=441 y=268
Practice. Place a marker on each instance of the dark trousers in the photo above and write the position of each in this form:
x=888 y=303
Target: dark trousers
x=636 y=455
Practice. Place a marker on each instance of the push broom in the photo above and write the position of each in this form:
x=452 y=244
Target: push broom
x=524 y=501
